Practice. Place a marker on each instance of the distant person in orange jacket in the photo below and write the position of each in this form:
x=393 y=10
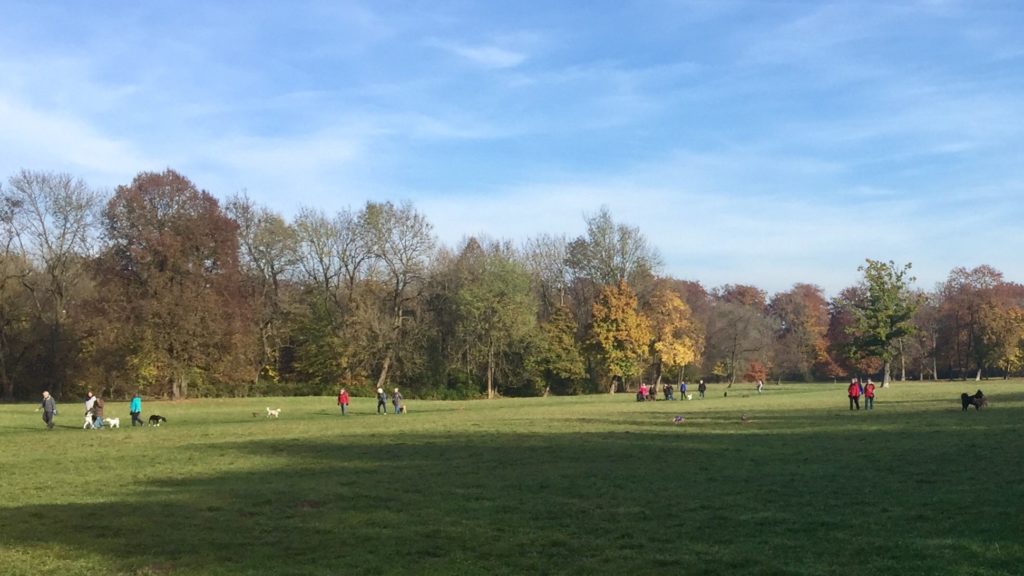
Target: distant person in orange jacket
x=869 y=395
x=854 y=392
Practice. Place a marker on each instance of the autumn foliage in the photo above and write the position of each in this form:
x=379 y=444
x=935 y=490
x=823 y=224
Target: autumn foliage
x=162 y=288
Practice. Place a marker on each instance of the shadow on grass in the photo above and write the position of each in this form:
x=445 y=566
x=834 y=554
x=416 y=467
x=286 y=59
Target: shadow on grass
x=601 y=503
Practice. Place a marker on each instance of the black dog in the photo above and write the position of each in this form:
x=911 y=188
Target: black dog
x=156 y=419
x=978 y=400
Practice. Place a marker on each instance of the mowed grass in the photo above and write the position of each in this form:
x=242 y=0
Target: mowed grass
x=587 y=485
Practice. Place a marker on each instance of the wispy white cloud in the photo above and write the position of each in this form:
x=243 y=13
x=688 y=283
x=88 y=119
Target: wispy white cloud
x=752 y=144
x=708 y=231
x=45 y=140
x=487 y=56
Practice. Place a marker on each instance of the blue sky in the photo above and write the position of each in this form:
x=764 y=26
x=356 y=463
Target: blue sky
x=757 y=142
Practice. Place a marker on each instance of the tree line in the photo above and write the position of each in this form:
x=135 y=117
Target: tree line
x=161 y=288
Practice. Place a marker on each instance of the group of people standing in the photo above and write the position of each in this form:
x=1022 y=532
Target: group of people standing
x=397 y=401
x=856 y=390
x=645 y=393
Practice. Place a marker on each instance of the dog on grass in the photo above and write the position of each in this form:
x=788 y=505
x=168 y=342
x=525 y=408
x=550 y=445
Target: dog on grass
x=156 y=419
x=113 y=422
x=88 y=421
x=978 y=400
x=276 y=413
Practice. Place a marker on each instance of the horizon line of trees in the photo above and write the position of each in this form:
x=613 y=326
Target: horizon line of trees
x=163 y=289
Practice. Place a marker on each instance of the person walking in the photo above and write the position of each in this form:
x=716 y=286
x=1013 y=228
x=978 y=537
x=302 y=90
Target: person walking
x=682 y=390
x=90 y=403
x=869 y=395
x=135 y=409
x=854 y=393
x=382 y=401
x=49 y=409
x=702 y=388
x=97 y=413
x=343 y=401
x=396 y=401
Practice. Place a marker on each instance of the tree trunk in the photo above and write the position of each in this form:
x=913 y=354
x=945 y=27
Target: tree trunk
x=977 y=375
x=5 y=380
x=56 y=363
x=383 y=378
x=885 y=373
x=490 y=373
x=179 y=386
x=903 y=361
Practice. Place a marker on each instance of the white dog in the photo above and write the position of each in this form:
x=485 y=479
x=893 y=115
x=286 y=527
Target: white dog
x=113 y=422
x=88 y=421
x=689 y=396
x=276 y=413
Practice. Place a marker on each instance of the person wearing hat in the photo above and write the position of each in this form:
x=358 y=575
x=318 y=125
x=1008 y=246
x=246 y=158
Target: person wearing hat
x=382 y=401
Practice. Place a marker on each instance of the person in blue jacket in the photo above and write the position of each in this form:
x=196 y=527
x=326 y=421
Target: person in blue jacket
x=135 y=409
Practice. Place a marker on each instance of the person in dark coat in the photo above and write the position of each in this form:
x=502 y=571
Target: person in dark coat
x=49 y=409
x=702 y=388
x=396 y=400
x=97 y=413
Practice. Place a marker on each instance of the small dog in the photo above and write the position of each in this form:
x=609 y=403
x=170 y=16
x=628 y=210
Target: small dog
x=403 y=410
x=276 y=413
x=88 y=421
x=113 y=422
x=689 y=396
x=978 y=400
x=156 y=419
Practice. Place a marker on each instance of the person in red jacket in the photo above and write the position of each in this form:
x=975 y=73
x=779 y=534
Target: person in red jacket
x=869 y=395
x=854 y=392
x=343 y=401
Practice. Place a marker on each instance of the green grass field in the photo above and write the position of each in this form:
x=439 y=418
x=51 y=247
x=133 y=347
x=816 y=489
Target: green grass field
x=588 y=485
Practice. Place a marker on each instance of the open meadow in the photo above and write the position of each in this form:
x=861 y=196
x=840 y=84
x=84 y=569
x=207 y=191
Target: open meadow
x=785 y=482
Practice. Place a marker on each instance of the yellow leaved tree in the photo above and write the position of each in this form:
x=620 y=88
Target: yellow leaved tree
x=676 y=340
x=620 y=333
